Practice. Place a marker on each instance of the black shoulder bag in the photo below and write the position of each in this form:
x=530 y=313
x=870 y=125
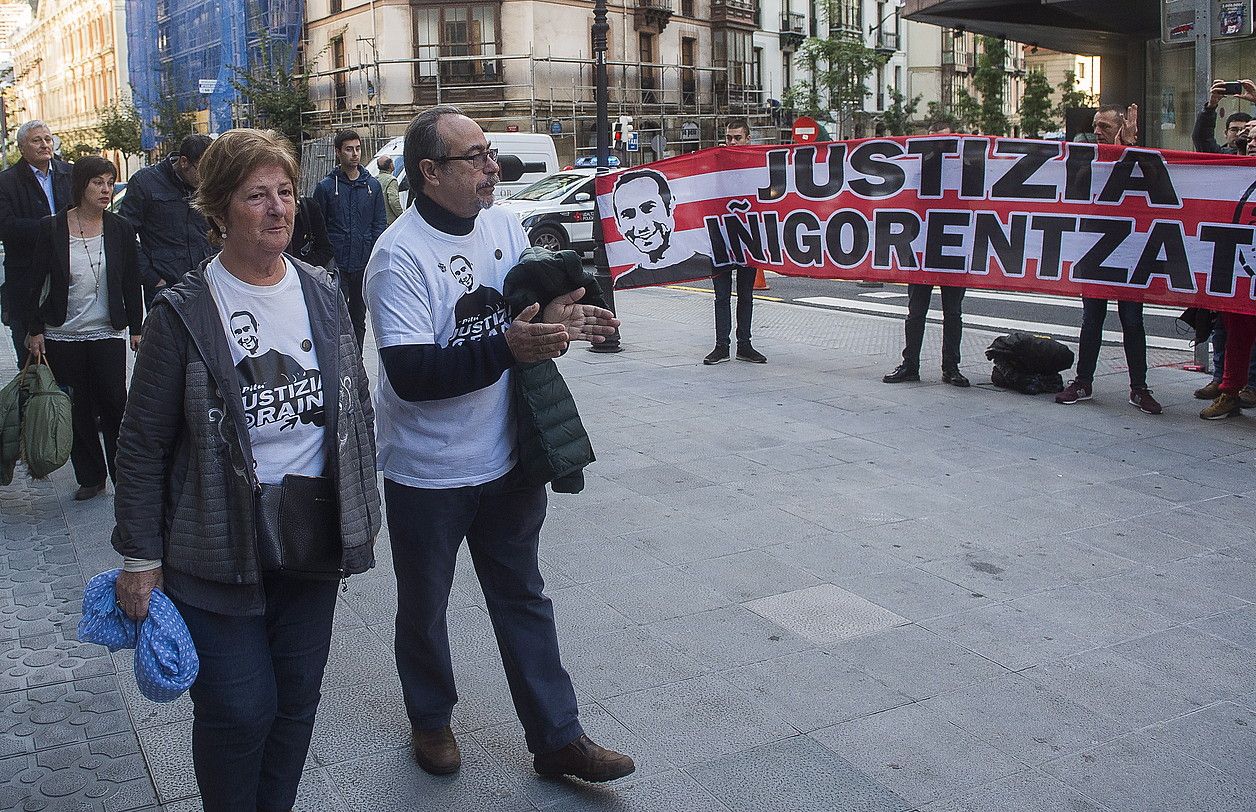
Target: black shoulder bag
x=298 y=528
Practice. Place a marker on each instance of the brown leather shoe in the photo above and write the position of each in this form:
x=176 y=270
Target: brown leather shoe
x=436 y=751
x=586 y=761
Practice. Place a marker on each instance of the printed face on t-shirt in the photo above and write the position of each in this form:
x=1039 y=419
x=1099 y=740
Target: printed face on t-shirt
x=481 y=311
x=460 y=268
x=244 y=328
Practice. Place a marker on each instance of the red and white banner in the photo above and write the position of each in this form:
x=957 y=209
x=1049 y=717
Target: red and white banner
x=1175 y=228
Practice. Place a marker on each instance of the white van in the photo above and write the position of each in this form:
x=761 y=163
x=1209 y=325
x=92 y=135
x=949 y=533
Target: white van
x=535 y=150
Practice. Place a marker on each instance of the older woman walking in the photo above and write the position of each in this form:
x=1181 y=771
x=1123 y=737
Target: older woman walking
x=85 y=261
x=246 y=475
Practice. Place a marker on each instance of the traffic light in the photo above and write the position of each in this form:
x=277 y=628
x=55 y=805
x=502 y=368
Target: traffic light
x=621 y=131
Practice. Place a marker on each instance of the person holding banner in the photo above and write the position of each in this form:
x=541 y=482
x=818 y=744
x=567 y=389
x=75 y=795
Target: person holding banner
x=736 y=133
x=1240 y=328
x=918 y=298
x=1113 y=125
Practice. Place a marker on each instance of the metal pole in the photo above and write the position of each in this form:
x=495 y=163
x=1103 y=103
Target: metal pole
x=1203 y=85
x=602 y=268
x=4 y=132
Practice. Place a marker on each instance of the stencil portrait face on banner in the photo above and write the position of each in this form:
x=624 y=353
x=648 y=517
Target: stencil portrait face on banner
x=644 y=209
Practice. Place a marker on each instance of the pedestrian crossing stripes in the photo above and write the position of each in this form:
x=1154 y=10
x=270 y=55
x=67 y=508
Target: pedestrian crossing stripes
x=990 y=322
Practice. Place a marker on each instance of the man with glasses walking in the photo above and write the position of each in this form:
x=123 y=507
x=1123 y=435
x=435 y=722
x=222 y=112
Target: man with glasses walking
x=447 y=444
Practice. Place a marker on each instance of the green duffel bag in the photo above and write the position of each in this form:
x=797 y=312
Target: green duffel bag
x=47 y=422
x=10 y=428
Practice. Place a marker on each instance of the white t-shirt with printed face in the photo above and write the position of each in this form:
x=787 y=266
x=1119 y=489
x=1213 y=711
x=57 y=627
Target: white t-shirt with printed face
x=424 y=286
x=272 y=347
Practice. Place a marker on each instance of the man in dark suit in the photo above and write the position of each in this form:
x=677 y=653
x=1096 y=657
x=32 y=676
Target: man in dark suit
x=33 y=188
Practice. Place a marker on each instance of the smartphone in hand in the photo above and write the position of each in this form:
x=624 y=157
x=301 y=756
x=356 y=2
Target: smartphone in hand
x=1234 y=88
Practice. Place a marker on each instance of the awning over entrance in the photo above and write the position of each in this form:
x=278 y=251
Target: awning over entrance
x=1072 y=26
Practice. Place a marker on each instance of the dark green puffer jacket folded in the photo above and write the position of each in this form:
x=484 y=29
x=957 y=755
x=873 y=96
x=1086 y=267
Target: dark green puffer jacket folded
x=553 y=444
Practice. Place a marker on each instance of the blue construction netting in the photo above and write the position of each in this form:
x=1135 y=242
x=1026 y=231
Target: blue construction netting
x=174 y=44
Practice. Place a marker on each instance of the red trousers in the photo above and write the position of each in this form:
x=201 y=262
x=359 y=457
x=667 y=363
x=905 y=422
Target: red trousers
x=1240 y=335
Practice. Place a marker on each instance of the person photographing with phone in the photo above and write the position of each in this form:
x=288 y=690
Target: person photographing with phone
x=1203 y=136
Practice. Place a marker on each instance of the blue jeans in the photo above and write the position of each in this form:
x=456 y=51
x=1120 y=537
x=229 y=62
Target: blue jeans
x=501 y=521
x=254 y=701
x=1133 y=337
x=1218 y=353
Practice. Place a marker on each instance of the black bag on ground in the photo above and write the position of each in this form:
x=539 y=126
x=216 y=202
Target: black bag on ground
x=1028 y=363
x=1029 y=383
x=1027 y=352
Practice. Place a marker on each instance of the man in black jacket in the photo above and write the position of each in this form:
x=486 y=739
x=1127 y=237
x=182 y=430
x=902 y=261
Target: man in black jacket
x=174 y=237
x=33 y=188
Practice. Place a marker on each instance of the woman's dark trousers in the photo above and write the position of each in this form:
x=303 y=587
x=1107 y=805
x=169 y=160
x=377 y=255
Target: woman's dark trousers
x=95 y=374
x=256 y=695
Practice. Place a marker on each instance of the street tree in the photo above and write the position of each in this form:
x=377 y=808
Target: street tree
x=937 y=118
x=990 y=82
x=78 y=149
x=1035 y=106
x=1071 y=98
x=170 y=123
x=120 y=128
x=898 y=113
x=837 y=67
x=274 y=87
x=967 y=111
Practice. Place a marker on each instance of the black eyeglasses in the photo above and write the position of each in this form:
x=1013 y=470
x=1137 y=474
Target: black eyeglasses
x=478 y=161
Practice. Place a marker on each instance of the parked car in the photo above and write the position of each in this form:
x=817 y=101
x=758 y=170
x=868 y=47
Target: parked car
x=558 y=212
x=535 y=150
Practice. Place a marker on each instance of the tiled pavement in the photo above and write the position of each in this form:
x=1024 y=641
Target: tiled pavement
x=787 y=587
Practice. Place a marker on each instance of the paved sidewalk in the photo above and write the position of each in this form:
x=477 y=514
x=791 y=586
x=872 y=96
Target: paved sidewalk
x=786 y=587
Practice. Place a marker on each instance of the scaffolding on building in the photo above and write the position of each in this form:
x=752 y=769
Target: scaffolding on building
x=674 y=108
x=186 y=53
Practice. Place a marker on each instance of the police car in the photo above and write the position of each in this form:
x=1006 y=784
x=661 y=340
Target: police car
x=557 y=212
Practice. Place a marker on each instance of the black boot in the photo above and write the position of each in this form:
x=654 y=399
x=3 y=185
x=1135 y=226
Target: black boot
x=902 y=374
x=954 y=377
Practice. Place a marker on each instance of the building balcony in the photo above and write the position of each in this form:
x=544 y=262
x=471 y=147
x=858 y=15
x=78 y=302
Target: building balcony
x=793 y=29
x=652 y=15
x=735 y=13
x=887 y=42
x=838 y=31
